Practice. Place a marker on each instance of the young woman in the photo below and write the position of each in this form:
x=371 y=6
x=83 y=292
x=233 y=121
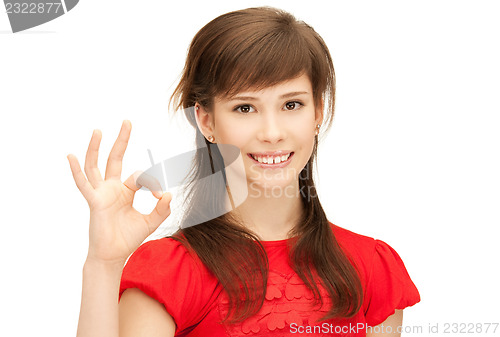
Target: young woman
x=270 y=264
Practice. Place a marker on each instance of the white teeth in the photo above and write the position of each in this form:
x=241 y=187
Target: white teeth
x=271 y=160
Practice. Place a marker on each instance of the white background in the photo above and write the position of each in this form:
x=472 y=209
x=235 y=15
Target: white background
x=412 y=158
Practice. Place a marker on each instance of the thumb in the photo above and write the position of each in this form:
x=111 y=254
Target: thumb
x=161 y=211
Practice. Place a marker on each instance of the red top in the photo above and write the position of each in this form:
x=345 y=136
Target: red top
x=164 y=270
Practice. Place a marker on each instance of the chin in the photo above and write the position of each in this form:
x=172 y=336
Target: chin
x=272 y=188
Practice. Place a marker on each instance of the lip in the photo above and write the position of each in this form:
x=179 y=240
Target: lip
x=271 y=153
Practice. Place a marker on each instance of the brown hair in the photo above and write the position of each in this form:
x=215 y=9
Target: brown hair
x=251 y=49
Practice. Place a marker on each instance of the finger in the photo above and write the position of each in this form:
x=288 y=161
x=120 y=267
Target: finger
x=151 y=183
x=140 y=179
x=160 y=213
x=114 y=165
x=81 y=182
x=91 y=169
x=131 y=181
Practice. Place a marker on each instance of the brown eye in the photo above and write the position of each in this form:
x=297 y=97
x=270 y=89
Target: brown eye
x=293 y=105
x=244 y=109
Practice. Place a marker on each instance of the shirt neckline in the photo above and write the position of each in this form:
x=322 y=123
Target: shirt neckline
x=275 y=243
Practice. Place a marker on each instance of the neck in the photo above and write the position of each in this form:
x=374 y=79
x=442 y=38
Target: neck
x=269 y=216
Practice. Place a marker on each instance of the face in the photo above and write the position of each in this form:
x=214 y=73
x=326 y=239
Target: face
x=274 y=129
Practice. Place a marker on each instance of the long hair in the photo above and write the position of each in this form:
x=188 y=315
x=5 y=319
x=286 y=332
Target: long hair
x=252 y=49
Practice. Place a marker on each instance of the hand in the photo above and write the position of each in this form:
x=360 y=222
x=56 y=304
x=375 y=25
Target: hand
x=116 y=228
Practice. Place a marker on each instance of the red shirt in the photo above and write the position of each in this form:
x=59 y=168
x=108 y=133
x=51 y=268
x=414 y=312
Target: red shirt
x=164 y=270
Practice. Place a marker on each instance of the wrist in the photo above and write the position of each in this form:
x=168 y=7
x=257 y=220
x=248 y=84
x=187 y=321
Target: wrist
x=92 y=262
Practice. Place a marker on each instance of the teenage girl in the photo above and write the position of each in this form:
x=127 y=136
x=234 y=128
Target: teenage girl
x=270 y=264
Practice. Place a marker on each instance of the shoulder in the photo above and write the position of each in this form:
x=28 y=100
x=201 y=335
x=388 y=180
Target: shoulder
x=157 y=252
x=160 y=246
x=360 y=247
x=362 y=250
x=386 y=282
x=352 y=240
x=164 y=256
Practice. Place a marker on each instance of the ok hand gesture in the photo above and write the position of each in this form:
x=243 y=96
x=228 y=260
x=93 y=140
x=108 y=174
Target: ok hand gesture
x=116 y=228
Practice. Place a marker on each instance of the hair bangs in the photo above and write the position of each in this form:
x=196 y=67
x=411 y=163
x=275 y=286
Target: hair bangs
x=261 y=60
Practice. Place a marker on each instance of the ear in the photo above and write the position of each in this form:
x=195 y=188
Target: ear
x=204 y=120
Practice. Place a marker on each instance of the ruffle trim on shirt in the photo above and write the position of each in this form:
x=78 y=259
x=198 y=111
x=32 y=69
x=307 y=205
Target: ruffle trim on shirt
x=287 y=301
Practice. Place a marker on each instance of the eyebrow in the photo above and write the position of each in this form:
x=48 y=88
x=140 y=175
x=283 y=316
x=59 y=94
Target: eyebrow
x=251 y=98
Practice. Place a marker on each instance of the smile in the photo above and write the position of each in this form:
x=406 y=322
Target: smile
x=277 y=159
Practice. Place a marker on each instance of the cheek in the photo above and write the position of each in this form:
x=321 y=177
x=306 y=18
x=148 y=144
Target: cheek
x=303 y=129
x=306 y=145
x=304 y=137
x=232 y=132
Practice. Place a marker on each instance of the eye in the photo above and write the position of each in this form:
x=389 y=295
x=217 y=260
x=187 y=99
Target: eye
x=244 y=109
x=293 y=105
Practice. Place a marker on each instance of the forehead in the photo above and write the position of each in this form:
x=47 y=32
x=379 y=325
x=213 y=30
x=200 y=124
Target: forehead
x=298 y=85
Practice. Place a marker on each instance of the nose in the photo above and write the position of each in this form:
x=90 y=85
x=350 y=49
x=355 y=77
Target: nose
x=272 y=128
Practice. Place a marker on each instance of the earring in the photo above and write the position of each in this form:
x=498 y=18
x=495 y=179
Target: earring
x=317 y=128
x=211 y=139
x=197 y=107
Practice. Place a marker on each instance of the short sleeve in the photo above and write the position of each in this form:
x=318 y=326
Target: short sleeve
x=389 y=286
x=164 y=270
